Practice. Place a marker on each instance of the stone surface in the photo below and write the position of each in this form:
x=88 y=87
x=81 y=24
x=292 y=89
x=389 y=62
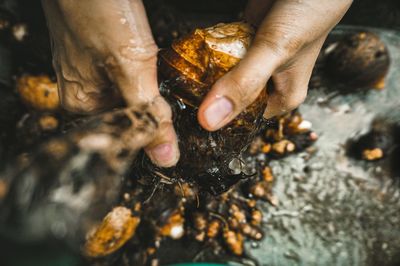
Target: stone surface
x=335 y=210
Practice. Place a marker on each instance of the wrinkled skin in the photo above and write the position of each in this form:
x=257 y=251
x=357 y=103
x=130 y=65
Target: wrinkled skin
x=105 y=52
x=188 y=69
x=288 y=40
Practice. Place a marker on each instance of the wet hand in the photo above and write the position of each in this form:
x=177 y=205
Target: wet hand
x=104 y=53
x=287 y=43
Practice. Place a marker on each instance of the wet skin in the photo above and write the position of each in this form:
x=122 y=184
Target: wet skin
x=105 y=53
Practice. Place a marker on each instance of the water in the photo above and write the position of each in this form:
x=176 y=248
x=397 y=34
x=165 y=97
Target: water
x=334 y=210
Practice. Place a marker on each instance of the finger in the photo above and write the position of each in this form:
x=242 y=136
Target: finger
x=138 y=85
x=134 y=71
x=276 y=41
x=141 y=88
x=290 y=92
x=121 y=47
x=131 y=55
x=82 y=86
x=291 y=84
x=235 y=91
x=163 y=150
x=240 y=87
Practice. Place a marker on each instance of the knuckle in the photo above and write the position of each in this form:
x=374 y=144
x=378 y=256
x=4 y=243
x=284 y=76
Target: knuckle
x=160 y=110
x=237 y=87
x=243 y=93
x=134 y=59
x=265 y=41
x=137 y=55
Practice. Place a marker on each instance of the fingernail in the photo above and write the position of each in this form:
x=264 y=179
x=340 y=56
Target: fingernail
x=163 y=154
x=218 y=111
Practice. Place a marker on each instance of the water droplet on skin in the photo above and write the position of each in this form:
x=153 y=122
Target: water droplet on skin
x=130 y=52
x=123 y=21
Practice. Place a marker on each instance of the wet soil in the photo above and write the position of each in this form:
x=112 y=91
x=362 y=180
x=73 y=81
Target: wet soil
x=335 y=209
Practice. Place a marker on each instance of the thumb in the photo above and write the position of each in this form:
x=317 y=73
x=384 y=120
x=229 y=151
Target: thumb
x=240 y=87
x=289 y=27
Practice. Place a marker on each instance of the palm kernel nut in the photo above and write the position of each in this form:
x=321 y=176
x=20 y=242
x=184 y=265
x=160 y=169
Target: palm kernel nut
x=39 y=92
x=372 y=154
x=115 y=230
x=48 y=122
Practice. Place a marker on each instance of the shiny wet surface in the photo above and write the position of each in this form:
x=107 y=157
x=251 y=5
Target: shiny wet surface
x=335 y=210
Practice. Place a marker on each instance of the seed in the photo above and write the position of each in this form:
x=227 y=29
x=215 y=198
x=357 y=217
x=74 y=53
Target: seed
x=213 y=228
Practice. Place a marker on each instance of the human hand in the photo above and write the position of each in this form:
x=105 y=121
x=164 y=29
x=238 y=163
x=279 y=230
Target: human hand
x=285 y=48
x=103 y=52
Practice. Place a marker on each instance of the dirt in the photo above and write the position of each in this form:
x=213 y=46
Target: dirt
x=330 y=208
